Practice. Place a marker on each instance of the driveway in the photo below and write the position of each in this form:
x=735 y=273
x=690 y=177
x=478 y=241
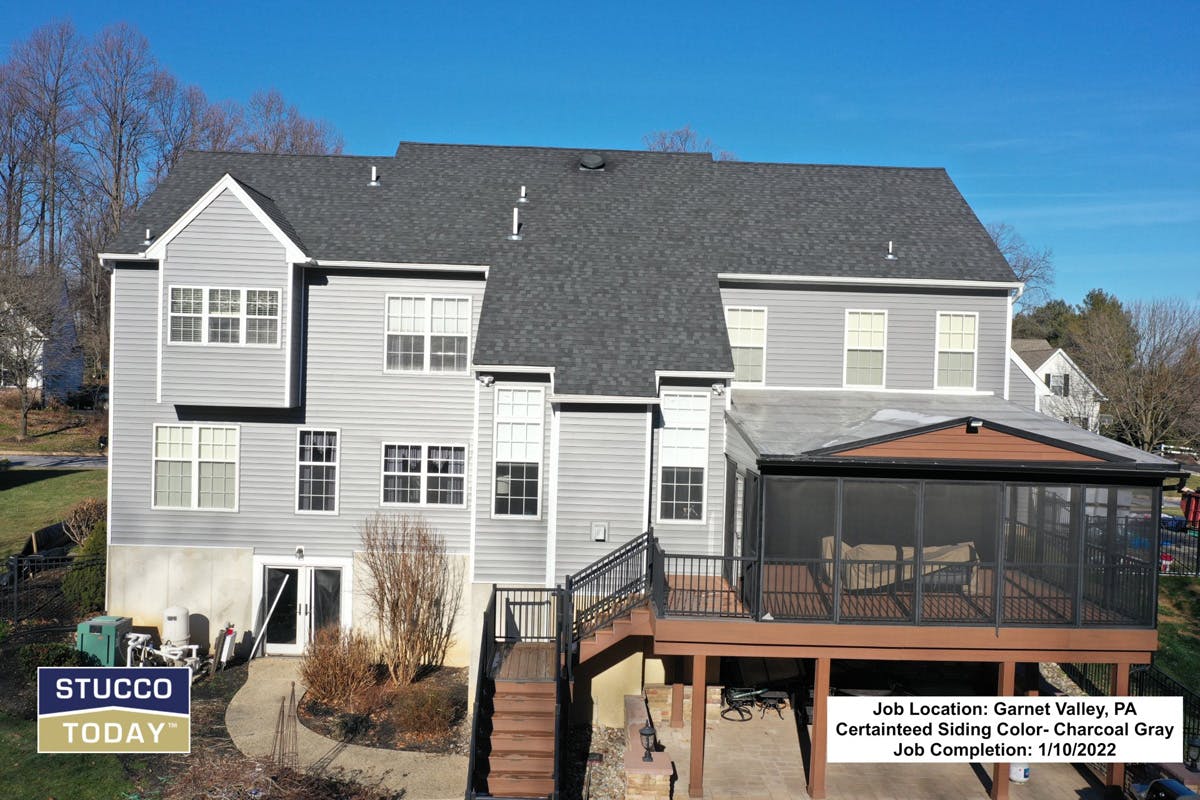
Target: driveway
x=26 y=461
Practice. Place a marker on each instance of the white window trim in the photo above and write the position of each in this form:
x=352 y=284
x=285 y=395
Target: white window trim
x=428 y=334
x=195 y=487
x=496 y=452
x=658 y=517
x=766 y=314
x=846 y=348
x=242 y=317
x=337 y=474
x=937 y=349
x=424 y=475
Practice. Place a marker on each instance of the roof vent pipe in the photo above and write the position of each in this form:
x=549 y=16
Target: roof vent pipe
x=374 y=177
x=148 y=238
x=522 y=198
x=516 y=228
x=891 y=255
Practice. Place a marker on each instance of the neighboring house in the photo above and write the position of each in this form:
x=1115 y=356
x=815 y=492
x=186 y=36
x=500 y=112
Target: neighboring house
x=782 y=391
x=1060 y=388
x=51 y=363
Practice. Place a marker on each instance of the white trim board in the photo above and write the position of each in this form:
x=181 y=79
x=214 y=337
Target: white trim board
x=835 y=280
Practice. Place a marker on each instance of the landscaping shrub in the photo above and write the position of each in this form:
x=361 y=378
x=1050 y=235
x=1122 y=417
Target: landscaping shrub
x=83 y=584
x=81 y=520
x=424 y=708
x=338 y=667
x=51 y=654
x=350 y=726
x=413 y=589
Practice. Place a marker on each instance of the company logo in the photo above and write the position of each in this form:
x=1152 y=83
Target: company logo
x=114 y=709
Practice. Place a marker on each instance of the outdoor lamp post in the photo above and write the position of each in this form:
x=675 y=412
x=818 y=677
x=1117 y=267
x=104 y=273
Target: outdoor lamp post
x=1193 y=751
x=647 y=734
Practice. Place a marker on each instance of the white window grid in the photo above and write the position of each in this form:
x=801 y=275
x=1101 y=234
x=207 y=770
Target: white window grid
x=416 y=469
x=747 y=326
x=683 y=445
x=958 y=340
x=866 y=335
x=217 y=315
x=199 y=465
x=318 y=455
x=519 y=436
x=427 y=334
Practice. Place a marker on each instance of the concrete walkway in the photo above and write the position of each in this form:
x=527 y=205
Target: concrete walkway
x=254 y=710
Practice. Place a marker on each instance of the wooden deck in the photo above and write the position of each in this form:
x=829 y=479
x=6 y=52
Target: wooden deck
x=527 y=661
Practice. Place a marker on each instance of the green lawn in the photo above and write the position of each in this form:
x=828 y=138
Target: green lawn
x=1179 y=629
x=28 y=775
x=31 y=499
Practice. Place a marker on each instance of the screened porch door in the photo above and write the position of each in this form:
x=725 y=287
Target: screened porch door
x=310 y=599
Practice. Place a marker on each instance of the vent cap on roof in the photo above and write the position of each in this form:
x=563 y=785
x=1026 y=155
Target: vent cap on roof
x=591 y=162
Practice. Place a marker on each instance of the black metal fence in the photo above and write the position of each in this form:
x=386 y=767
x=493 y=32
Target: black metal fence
x=1145 y=680
x=1180 y=548
x=31 y=586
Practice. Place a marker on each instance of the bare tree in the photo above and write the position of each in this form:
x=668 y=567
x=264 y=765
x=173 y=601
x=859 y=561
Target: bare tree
x=31 y=309
x=413 y=589
x=178 y=116
x=275 y=126
x=16 y=170
x=683 y=140
x=1146 y=359
x=1033 y=267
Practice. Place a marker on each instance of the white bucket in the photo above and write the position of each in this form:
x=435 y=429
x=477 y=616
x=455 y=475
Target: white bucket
x=1018 y=773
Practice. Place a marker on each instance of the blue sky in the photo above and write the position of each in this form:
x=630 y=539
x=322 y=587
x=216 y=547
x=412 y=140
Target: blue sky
x=1078 y=123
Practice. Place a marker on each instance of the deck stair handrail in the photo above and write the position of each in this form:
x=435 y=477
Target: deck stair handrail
x=611 y=587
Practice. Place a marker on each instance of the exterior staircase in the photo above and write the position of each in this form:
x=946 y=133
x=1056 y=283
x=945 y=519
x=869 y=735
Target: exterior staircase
x=521 y=763
x=639 y=622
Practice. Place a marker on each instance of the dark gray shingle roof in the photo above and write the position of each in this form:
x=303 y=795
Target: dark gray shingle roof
x=616 y=273
x=1033 y=352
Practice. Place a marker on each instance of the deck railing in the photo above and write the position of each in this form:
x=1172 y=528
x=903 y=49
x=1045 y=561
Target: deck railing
x=611 y=587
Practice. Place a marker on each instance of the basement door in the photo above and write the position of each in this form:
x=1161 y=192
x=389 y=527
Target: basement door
x=311 y=598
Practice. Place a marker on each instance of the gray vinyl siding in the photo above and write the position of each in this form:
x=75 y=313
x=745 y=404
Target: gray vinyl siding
x=1020 y=388
x=346 y=389
x=739 y=448
x=509 y=549
x=225 y=246
x=602 y=471
x=695 y=537
x=805 y=345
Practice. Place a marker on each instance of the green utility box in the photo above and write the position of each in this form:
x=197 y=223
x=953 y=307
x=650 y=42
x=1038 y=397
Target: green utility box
x=103 y=639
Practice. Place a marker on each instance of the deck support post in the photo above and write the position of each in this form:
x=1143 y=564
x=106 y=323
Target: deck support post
x=1115 y=774
x=1005 y=688
x=677 y=704
x=699 y=698
x=820 y=730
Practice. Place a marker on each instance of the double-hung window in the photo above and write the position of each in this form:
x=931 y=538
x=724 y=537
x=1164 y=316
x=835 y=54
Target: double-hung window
x=1059 y=384
x=217 y=315
x=416 y=474
x=684 y=456
x=317 y=457
x=748 y=342
x=196 y=466
x=519 y=421
x=866 y=348
x=957 y=341
x=427 y=334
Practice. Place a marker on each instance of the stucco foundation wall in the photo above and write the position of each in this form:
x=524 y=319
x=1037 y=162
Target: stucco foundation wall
x=213 y=583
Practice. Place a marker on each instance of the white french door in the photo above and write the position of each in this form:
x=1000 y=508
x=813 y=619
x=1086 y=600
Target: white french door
x=309 y=598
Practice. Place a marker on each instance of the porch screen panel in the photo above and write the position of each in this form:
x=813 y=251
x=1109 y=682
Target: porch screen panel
x=1041 y=551
x=1119 y=558
x=798 y=514
x=877 y=551
x=957 y=560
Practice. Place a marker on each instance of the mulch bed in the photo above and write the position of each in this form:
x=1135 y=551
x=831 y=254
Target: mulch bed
x=431 y=715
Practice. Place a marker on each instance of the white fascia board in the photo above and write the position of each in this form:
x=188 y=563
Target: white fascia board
x=121 y=256
x=400 y=265
x=158 y=249
x=511 y=368
x=1039 y=386
x=937 y=283
x=600 y=398
x=659 y=374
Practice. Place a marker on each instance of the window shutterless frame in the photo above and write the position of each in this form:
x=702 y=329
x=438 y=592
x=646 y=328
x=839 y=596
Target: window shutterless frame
x=663 y=463
x=427 y=333
x=195 y=461
x=541 y=422
x=337 y=471
x=243 y=315
x=882 y=349
x=424 y=475
x=762 y=347
x=938 y=350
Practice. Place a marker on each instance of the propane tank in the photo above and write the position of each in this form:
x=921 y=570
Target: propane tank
x=175 y=626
